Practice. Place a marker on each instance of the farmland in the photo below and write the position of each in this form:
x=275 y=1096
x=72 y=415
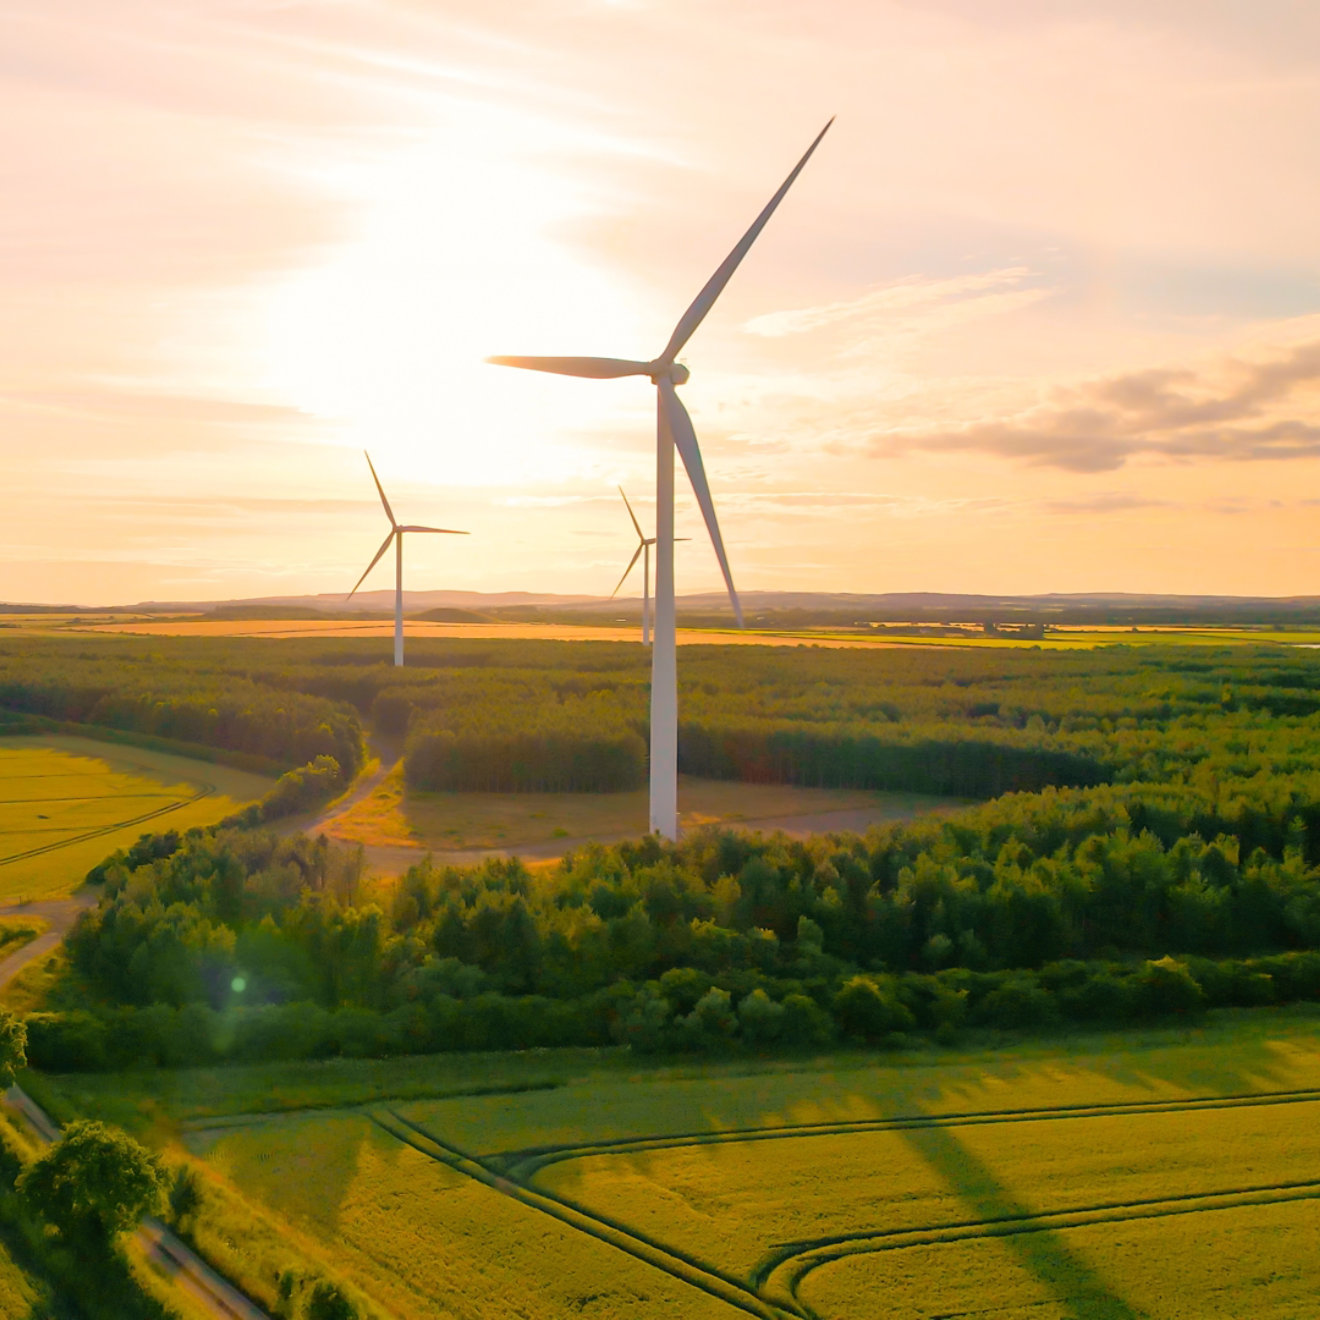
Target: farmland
x=1062 y=1177
x=66 y=802
x=1063 y=638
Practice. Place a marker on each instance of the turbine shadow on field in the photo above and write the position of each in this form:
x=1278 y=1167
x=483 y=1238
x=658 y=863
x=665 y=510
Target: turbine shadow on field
x=1076 y=1287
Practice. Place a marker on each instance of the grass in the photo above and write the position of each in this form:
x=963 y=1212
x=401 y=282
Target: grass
x=31 y=990
x=741 y=1186
x=21 y=1294
x=395 y=816
x=67 y=802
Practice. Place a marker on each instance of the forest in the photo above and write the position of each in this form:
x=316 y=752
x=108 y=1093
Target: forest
x=572 y=716
x=1159 y=853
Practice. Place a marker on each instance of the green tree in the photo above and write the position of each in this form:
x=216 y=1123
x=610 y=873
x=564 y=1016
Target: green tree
x=13 y=1047
x=95 y=1183
x=328 y=1302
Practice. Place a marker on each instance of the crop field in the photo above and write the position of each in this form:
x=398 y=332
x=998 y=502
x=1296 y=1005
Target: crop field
x=396 y=816
x=67 y=802
x=1082 y=637
x=1164 y=1178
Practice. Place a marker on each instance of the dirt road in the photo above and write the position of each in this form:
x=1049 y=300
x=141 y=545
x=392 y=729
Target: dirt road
x=58 y=913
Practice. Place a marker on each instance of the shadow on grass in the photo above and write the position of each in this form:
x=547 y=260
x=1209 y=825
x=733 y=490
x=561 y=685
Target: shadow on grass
x=1078 y=1290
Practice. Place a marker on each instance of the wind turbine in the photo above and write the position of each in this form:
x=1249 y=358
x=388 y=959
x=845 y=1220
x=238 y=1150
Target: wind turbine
x=644 y=544
x=395 y=535
x=673 y=431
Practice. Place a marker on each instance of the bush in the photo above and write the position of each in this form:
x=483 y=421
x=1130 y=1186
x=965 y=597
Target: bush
x=869 y=1007
x=1167 y=986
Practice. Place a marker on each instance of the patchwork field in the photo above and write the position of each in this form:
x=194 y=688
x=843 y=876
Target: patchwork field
x=395 y=816
x=1169 y=1177
x=68 y=802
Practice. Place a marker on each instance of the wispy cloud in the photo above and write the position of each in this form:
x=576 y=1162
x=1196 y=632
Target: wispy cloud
x=909 y=309
x=1240 y=410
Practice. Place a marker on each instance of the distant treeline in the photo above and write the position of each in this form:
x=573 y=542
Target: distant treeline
x=558 y=716
x=101 y=682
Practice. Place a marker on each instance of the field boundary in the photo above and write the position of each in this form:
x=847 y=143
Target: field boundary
x=25 y=725
x=526 y=1163
x=205 y=790
x=792 y=1267
x=677 y=1264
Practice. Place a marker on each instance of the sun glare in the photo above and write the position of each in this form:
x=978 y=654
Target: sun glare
x=455 y=256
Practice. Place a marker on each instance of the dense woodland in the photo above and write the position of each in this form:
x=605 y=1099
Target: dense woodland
x=1166 y=857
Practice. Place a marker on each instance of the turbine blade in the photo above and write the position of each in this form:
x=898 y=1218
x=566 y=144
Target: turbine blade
x=640 y=536
x=384 y=545
x=679 y=426
x=637 y=554
x=705 y=300
x=448 y=531
x=594 y=368
x=389 y=513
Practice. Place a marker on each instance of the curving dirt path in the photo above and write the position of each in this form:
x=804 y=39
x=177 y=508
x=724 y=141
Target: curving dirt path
x=59 y=915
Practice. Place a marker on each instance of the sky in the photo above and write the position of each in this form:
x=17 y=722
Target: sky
x=1041 y=314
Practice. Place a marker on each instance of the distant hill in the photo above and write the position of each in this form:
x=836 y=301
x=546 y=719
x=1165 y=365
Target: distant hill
x=772 y=609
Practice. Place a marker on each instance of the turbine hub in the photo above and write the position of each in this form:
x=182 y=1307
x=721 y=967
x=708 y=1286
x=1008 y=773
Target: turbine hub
x=675 y=371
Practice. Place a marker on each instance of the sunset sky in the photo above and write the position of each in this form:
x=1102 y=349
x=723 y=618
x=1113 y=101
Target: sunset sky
x=1042 y=313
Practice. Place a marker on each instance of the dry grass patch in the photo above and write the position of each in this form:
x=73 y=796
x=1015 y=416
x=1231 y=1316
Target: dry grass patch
x=394 y=815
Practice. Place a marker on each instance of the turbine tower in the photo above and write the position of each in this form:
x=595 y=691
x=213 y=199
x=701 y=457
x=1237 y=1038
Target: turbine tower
x=396 y=535
x=644 y=544
x=673 y=431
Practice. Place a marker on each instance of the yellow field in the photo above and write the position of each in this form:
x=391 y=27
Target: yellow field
x=1064 y=638
x=394 y=816
x=425 y=1240
x=66 y=803
x=1167 y=1179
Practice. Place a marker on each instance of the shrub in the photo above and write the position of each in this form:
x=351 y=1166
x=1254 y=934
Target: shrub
x=869 y=1007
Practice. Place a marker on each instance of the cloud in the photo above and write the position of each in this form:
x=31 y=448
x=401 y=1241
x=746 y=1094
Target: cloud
x=1240 y=411
x=1109 y=501
x=909 y=306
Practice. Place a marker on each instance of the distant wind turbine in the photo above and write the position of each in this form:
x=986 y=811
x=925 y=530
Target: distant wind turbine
x=644 y=544
x=673 y=430
x=395 y=535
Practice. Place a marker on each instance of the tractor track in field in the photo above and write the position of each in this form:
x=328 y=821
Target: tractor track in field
x=785 y=1268
x=673 y=1261
x=524 y=1164
x=204 y=791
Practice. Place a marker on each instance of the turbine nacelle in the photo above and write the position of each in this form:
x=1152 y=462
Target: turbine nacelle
x=674 y=372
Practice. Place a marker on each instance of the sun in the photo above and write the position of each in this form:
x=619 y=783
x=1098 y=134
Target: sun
x=459 y=250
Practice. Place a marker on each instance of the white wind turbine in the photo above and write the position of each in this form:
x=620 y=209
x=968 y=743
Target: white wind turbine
x=395 y=535
x=673 y=431
x=644 y=544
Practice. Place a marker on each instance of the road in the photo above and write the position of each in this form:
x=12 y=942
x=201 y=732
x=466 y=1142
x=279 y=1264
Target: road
x=183 y=1265
x=59 y=915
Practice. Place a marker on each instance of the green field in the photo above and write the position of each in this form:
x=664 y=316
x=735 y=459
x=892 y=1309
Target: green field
x=1160 y=1175
x=68 y=802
